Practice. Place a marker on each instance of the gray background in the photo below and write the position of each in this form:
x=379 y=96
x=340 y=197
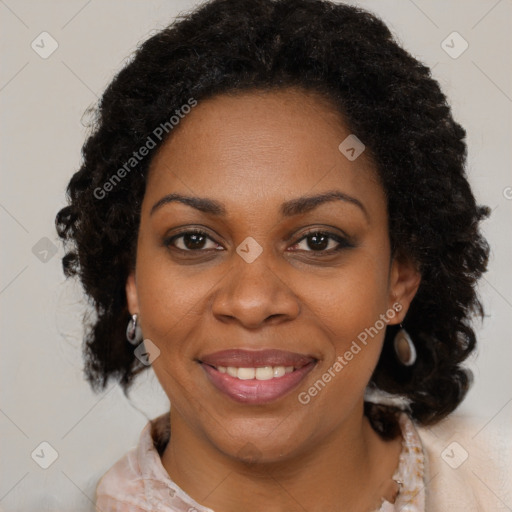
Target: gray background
x=43 y=394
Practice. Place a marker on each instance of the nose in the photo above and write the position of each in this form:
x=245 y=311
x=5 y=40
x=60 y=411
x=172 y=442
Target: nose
x=254 y=294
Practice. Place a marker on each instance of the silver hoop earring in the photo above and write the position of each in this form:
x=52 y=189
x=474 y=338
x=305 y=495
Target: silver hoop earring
x=133 y=331
x=404 y=347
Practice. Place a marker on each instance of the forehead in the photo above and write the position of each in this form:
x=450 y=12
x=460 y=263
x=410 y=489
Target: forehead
x=261 y=146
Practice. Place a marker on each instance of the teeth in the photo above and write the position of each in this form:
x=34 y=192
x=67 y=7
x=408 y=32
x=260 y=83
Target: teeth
x=262 y=373
x=230 y=370
x=278 y=371
x=246 y=373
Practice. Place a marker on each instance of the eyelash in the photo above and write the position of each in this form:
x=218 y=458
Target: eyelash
x=342 y=242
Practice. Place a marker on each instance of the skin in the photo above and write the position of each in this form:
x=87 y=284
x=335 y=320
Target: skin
x=252 y=152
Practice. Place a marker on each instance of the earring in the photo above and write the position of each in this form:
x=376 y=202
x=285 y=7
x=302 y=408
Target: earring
x=404 y=347
x=133 y=331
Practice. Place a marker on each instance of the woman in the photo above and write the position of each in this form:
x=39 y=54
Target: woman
x=273 y=213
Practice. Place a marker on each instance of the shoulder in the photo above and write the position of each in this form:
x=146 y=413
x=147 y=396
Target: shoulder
x=122 y=485
x=467 y=465
x=138 y=482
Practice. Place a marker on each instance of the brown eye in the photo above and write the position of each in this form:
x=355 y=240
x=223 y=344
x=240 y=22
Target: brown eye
x=193 y=240
x=318 y=241
x=321 y=242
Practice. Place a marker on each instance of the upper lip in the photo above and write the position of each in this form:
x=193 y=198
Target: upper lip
x=256 y=358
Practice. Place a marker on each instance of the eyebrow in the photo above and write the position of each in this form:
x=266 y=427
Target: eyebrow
x=290 y=208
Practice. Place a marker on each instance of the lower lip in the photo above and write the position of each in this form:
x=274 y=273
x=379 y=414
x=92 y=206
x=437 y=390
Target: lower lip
x=253 y=391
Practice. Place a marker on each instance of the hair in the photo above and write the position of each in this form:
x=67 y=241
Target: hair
x=384 y=95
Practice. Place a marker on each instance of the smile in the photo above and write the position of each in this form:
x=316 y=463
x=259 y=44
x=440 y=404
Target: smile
x=256 y=385
x=262 y=373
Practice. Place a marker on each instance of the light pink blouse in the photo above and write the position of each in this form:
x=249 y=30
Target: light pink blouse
x=138 y=482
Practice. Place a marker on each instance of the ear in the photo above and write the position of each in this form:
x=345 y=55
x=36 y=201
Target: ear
x=131 y=294
x=404 y=281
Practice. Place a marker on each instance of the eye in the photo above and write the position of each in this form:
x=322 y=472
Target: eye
x=192 y=240
x=321 y=242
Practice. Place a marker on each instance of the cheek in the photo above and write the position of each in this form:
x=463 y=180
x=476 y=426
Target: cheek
x=352 y=298
x=168 y=304
x=348 y=309
x=173 y=302
x=170 y=301
x=165 y=290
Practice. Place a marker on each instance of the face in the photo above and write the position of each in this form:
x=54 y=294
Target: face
x=259 y=264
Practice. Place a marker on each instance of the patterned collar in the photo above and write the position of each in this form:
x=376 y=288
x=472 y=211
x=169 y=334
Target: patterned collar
x=165 y=495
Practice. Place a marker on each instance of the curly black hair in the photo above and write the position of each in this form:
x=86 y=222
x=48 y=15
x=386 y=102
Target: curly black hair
x=385 y=96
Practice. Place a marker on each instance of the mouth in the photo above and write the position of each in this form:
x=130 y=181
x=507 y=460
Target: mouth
x=256 y=377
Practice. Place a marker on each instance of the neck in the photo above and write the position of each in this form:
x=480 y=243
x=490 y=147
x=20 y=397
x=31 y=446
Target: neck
x=345 y=471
